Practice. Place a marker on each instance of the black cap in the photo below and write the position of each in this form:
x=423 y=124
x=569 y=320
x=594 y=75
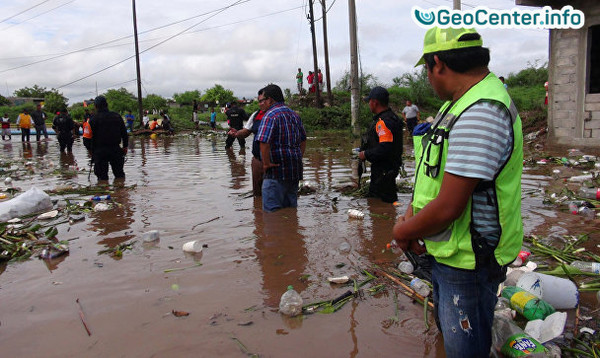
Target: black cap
x=100 y=101
x=379 y=93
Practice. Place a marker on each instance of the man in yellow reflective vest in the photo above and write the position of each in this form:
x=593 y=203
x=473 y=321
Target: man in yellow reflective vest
x=466 y=205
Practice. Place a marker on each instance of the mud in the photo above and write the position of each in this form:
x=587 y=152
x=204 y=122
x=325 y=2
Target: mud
x=189 y=188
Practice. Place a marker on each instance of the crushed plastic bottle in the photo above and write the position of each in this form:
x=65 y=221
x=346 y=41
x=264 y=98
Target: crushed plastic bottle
x=406 y=267
x=512 y=341
x=290 y=303
x=587 y=266
x=420 y=287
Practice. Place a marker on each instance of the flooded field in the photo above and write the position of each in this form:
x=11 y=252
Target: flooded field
x=189 y=188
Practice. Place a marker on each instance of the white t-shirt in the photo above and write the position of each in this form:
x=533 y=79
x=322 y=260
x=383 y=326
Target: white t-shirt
x=411 y=111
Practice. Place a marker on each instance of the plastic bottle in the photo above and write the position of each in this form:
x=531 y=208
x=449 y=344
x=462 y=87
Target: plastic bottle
x=291 y=302
x=587 y=266
x=101 y=197
x=589 y=193
x=406 y=267
x=511 y=341
x=527 y=304
x=573 y=208
x=420 y=287
x=357 y=214
x=393 y=245
x=521 y=258
x=587 y=212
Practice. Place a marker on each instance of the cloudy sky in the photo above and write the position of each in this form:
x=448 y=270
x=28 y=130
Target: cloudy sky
x=84 y=47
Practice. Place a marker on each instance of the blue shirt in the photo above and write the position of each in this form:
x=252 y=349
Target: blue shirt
x=213 y=116
x=282 y=128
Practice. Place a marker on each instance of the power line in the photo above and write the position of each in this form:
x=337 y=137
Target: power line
x=38 y=15
x=158 y=44
x=24 y=11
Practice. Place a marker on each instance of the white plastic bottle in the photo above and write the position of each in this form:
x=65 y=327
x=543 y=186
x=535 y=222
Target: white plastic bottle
x=587 y=266
x=406 y=267
x=357 y=214
x=290 y=303
x=420 y=287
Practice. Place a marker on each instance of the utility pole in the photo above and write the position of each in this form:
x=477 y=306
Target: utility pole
x=354 y=90
x=314 y=45
x=456 y=5
x=326 y=47
x=137 y=65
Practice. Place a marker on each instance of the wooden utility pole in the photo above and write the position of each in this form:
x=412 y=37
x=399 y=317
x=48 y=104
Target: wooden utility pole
x=456 y=5
x=137 y=66
x=314 y=45
x=326 y=48
x=354 y=90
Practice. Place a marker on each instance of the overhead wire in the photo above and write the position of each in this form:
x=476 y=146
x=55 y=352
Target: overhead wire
x=24 y=11
x=154 y=46
x=38 y=15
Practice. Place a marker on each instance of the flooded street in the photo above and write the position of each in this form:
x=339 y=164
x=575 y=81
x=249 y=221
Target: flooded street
x=189 y=188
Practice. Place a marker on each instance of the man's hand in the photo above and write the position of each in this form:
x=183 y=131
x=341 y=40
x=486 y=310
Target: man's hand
x=232 y=132
x=124 y=150
x=267 y=166
x=361 y=155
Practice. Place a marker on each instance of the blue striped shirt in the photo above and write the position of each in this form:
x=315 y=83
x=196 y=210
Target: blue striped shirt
x=479 y=144
x=282 y=128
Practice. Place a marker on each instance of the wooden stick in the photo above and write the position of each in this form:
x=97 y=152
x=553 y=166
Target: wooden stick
x=405 y=286
x=83 y=318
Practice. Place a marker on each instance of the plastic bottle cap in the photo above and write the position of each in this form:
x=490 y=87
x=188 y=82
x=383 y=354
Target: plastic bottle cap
x=290 y=287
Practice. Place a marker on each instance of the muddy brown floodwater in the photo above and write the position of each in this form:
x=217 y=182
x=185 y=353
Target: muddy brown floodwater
x=189 y=188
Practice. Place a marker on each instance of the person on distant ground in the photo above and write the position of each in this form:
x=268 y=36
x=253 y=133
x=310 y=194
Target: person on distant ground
x=252 y=127
x=24 y=124
x=501 y=78
x=6 y=127
x=282 y=143
x=546 y=98
x=108 y=132
x=39 y=120
x=153 y=124
x=300 y=80
x=310 y=79
x=383 y=146
x=130 y=118
x=466 y=203
x=320 y=82
x=166 y=123
x=213 y=118
x=411 y=115
x=145 y=120
x=63 y=125
x=87 y=134
x=235 y=118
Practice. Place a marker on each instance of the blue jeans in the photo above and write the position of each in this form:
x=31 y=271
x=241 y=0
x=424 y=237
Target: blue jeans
x=464 y=302
x=277 y=194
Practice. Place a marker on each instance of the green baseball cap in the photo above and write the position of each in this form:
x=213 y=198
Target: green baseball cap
x=437 y=39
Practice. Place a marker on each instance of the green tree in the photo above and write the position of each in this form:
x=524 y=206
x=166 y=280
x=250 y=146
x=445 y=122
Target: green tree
x=120 y=100
x=54 y=101
x=35 y=92
x=218 y=95
x=419 y=89
x=365 y=82
x=187 y=97
x=533 y=75
x=4 y=101
x=154 y=101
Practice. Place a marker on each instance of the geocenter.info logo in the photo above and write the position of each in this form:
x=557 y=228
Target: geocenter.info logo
x=483 y=17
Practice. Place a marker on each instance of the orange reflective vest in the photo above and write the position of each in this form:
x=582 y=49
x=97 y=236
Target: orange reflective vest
x=87 y=130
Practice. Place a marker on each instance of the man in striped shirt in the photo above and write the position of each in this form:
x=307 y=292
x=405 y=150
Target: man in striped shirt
x=282 y=142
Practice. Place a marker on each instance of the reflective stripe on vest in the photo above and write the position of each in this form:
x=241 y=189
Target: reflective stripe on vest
x=453 y=245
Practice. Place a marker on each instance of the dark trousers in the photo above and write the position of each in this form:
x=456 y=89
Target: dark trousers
x=383 y=185
x=65 y=140
x=39 y=130
x=87 y=142
x=25 y=134
x=229 y=142
x=104 y=156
